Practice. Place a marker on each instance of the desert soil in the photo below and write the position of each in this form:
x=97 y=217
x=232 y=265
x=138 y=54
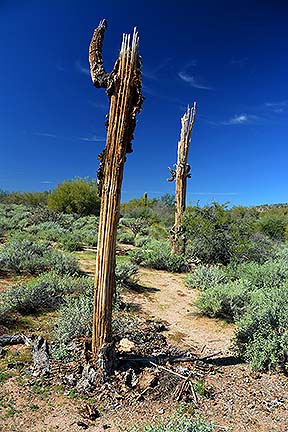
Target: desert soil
x=242 y=400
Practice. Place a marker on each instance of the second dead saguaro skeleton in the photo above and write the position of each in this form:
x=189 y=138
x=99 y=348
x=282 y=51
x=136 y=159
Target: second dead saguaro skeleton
x=123 y=87
x=180 y=175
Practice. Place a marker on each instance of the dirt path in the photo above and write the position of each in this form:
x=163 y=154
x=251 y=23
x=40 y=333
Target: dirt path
x=243 y=401
x=169 y=299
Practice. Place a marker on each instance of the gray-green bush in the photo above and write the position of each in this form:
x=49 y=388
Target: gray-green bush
x=126 y=273
x=228 y=300
x=177 y=423
x=26 y=256
x=157 y=254
x=204 y=277
x=262 y=335
x=47 y=291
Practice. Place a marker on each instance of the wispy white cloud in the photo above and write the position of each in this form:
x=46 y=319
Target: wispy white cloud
x=45 y=134
x=237 y=120
x=192 y=81
x=243 y=119
x=277 y=107
x=82 y=69
x=47 y=182
x=92 y=138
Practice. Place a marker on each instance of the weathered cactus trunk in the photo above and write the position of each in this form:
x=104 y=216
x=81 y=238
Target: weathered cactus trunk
x=124 y=91
x=181 y=174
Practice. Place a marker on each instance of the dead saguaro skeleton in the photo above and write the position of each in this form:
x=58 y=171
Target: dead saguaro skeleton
x=123 y=87
x=180 y=175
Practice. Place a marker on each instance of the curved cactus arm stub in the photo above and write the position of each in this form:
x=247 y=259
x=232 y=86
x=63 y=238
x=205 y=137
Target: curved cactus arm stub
x=98 y=75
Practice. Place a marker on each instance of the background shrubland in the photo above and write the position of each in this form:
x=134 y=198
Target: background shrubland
x=237 y=257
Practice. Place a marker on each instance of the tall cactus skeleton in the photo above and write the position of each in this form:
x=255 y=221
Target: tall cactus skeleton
x=180 y=175
x=123 y=88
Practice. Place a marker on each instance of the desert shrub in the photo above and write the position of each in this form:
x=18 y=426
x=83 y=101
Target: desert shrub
x=281 y=253
x=45 y=292
x=27 y=198
x=86 y=228
x=135 y=225
x=228 y=300
x=125 y=273
x=207 y=231
x=16 y=236
x=126 y=237
x=273 y=225
x=74 y=320
x=75 y=316
x=262 y=335
x=257 y=247
x=50 y=231
x=70 y=242
x=216 y=235
x=204 y=277
x=141 y=240
x=75 y=196
x=179 y=422
x=62 y=263
x=157 y=254
x=271 y=274
x=29 y=257
x=15 y=216
x=158 y=232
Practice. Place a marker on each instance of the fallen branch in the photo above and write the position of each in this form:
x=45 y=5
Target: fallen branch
x=170 y=359
x=12 y=340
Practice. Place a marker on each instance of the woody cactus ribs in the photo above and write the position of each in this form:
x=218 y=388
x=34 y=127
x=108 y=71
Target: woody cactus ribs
x=180 y=175
x=123 y=87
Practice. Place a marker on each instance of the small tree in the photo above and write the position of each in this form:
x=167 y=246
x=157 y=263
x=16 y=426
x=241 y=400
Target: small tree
x=75 y=196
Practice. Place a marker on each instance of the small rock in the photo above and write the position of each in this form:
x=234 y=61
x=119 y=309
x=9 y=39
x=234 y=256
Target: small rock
x=126 y=345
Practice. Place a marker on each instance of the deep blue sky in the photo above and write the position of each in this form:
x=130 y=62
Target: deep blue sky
x=229 y=56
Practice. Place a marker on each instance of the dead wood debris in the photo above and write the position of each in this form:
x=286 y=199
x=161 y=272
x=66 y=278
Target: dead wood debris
x=148 y=369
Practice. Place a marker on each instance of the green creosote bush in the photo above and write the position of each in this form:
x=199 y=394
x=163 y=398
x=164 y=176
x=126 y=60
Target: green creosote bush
x=158 y=232
x=75 y=196
x=157 y=254
x=141 y=240
x=70 y=242
x=271 y=274
x=262 y=335
x=45 y=292
x=135 y=225
x=26 y=256
x=177 y=423
x=126 y=274
x=216 y=236
x=273 y=226
x=228 y=300
x=126 y=237
x=204 y=277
